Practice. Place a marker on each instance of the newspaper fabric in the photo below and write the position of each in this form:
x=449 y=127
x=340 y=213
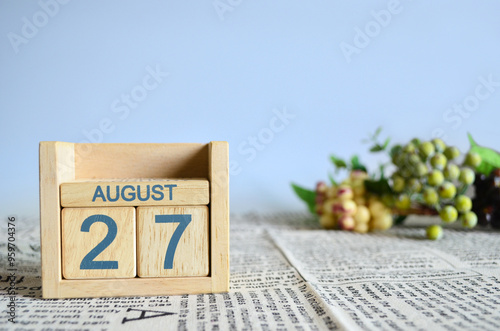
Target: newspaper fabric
x=287 y=274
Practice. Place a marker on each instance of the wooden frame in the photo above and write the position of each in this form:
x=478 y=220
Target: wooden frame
x=62 y=162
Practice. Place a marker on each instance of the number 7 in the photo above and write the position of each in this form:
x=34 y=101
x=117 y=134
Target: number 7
x=183 y=221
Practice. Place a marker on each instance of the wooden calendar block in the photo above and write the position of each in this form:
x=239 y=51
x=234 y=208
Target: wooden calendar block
x=172 y=241
x=98 y=243
x=135 y=192
x=204 y=269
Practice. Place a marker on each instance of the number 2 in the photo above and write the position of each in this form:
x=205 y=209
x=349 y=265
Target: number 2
x=88 y=261
x=183 y=221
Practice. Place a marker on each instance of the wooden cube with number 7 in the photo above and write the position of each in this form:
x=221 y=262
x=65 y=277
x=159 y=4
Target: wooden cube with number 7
x=172 y=241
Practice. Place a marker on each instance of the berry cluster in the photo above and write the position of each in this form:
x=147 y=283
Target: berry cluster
x=427 y=174
x=349 y=207
x=486 y=203
x=428 y=178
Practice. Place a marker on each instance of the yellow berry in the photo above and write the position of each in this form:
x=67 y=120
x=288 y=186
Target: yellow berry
x=361 y=227
x=359 y=190
x=331 y=192
x=328 y=206
x=377 y=208
x=327 y=221
x=360 y=200
x=382 y=222
x=344 y=192
x=362 y=214
x=346 y=222
x=344 y=207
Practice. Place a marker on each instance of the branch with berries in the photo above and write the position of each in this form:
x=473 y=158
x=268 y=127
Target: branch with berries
x=426 y=178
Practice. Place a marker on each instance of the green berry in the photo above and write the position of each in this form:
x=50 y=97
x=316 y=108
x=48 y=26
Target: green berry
x=414 y=185
x=395 y=153
x=409 y=148
x=426 y=149
x=463 y=203
x=398 y=159
x=403 y=201
x=415 y=141
x=420 y=169
x=472 y=159
x=398 y=183
x=434 y=232
x=467 y=176
x=438 y=161
x=451 y=152
x=448 y=214
x=405 y=171
x=439 y=145
x=413 y=159
x=447 y=190
x=469 y=219
x=435 y=178
x=451 y=172
x=430 y=196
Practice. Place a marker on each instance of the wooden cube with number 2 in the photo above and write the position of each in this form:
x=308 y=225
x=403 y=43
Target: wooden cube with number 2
x=98 y=242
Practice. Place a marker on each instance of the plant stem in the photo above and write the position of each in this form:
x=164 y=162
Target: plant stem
x=417 y=210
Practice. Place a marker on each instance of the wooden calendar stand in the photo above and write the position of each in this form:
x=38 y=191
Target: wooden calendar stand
x=118 y=191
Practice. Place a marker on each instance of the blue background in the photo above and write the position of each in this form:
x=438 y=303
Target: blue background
x=232 y=64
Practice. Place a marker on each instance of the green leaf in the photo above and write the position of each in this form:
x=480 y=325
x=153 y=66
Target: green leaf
x=377 y=132
x=379 y=148
x=485 y=168
x=332 y=180
x=490 y=159
x=471 y=140
x=354 y=161
x=379 y=187
x=356 y=165
x=338 y=163
x=376 y=148
x=386 y=143
x=381 y=169
x=487 y=155
x=308 y=196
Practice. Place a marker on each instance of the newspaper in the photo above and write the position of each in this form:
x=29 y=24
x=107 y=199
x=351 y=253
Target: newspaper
x=287 y=274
